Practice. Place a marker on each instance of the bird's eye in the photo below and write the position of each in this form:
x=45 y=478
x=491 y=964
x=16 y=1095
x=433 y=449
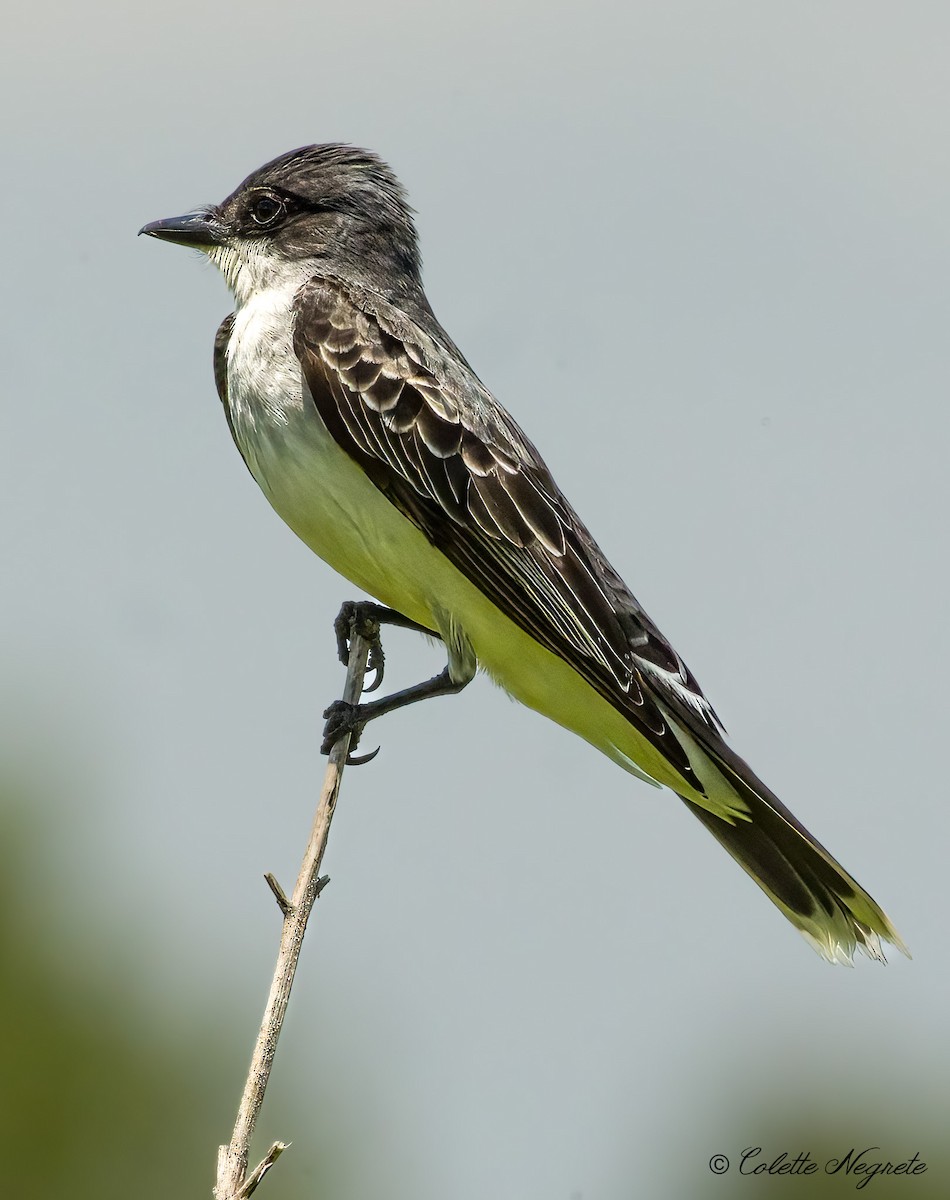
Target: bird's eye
x=266 y=209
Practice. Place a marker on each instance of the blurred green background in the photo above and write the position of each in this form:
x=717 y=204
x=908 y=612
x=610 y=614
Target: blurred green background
x=114 y=1081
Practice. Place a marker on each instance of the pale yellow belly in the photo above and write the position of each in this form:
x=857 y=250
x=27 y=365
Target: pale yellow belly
x=334 y=508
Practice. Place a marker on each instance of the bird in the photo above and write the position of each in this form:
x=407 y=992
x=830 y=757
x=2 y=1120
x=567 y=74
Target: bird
x=373 y=438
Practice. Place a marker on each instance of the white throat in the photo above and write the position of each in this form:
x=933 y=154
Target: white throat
x=250 y=267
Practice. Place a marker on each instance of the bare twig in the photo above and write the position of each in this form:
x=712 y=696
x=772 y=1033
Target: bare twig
x=233 y=1181
x=279 y=894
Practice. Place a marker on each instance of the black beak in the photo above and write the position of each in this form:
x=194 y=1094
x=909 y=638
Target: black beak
x=198 y=229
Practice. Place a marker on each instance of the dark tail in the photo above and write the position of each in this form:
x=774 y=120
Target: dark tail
x=833 y=912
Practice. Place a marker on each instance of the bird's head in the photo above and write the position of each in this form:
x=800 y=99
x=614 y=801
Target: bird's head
x=331 y=210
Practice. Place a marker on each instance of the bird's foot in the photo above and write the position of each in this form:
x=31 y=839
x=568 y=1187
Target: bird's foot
x=361 y=617
x=344 y=718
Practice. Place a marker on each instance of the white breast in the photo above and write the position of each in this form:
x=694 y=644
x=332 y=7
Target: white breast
x=314 y=485
x=264 y=386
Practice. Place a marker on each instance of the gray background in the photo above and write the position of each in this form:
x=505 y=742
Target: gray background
x=700 y=251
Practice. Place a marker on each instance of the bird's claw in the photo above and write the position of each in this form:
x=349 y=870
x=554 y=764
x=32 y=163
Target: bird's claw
x=344 y=626
x=376 y=663
x=343 y=718
x=360 y=760
x=360 y=618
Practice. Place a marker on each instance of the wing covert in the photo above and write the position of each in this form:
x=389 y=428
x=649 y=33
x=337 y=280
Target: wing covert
x=436 y=443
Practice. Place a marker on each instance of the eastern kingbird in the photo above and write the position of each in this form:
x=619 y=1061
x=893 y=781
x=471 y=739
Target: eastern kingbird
x=375 y=441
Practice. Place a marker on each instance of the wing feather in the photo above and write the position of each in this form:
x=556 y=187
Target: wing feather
x=402 y=403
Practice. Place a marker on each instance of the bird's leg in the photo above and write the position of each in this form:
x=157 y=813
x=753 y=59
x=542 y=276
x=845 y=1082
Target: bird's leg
x=365 y=618
x=351 y=718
